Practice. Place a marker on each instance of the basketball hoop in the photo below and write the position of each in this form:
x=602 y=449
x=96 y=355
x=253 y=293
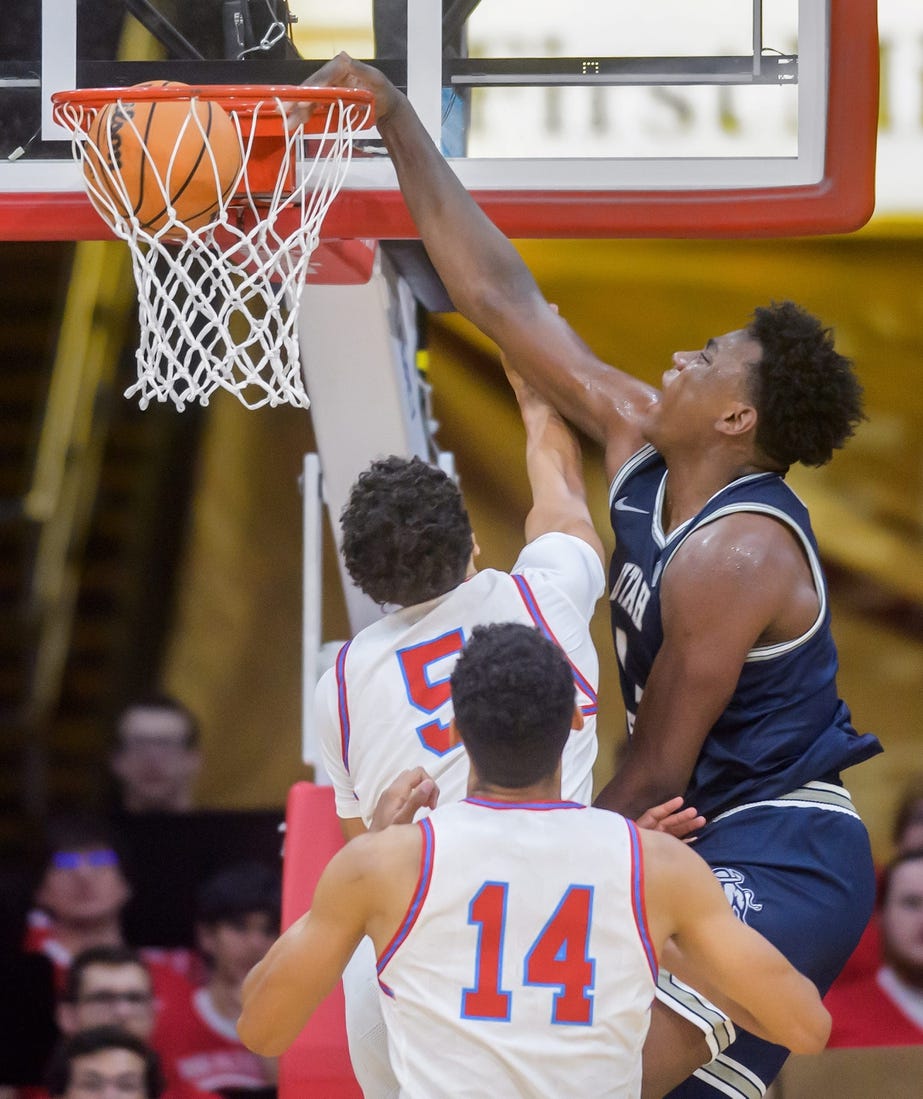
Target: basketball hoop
x=218 y=292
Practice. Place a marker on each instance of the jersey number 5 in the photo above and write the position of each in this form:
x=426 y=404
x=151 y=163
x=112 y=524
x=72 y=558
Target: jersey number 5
x=428 y=694
x=558 y=958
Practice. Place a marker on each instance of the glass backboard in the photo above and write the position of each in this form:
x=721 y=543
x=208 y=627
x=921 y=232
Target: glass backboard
x=598 y=118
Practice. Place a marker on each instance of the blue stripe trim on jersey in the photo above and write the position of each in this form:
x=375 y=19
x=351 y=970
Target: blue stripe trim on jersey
x=528 y=597
x=343 y=704
x=637 y=897
x=484 y=803
x=419 y=896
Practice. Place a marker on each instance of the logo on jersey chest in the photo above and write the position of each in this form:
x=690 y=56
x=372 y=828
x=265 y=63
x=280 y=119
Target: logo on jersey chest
x=631 y=592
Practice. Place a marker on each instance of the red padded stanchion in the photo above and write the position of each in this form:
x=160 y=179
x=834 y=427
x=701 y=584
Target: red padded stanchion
x=317 y=1065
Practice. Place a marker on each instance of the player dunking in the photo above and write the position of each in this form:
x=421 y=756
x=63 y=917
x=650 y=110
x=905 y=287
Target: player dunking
x=517 y=933
x=720 y=611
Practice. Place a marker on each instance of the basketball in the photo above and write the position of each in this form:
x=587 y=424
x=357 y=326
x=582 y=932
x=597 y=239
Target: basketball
x=143 y=157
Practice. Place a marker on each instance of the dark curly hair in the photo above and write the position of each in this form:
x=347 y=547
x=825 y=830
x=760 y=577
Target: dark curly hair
x=808 y=400
x=94 y=1040
x=513 y=694
x=406 y=533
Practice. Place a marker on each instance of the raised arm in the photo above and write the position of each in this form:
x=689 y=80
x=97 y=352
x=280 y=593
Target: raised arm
x=489 y=283
x=554 y=466
x=747 y=976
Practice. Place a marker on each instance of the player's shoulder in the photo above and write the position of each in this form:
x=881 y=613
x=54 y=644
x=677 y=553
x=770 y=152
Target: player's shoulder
x=375 y=855
x=738 y=544
x=556 y=550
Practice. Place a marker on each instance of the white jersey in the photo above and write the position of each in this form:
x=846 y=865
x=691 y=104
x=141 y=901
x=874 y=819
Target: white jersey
x=385 y=705
x=524 y=966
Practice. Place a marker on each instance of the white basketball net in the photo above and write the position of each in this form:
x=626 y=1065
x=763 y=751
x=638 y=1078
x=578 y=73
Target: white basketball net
x=218 y=304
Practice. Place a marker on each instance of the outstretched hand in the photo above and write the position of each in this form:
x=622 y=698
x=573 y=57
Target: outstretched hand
x=672 y=818
x=344 y=71
x=411 y=790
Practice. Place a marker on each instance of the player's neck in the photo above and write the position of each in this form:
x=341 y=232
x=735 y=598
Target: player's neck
x=545 y=790
x=692 y=482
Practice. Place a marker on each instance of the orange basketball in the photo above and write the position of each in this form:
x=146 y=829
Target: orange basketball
x=142 y=155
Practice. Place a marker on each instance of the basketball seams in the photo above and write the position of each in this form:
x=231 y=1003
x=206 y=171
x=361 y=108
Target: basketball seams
x=139 y=205
x=168 y=154
x=186 y=129
x=203 y=154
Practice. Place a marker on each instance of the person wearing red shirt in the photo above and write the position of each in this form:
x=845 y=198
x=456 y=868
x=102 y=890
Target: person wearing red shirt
x=237 y=921
x=885 y=1007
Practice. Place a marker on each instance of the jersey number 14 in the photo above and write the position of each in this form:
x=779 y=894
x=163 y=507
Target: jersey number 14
x=558 y=958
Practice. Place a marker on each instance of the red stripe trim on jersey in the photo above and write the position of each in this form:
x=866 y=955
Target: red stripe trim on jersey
x=540 y=805
x=419 y=896
x=343 y=704
x=637 y=897
x=528 y=597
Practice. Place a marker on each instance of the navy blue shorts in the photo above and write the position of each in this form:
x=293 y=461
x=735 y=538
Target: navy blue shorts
x=799 y=870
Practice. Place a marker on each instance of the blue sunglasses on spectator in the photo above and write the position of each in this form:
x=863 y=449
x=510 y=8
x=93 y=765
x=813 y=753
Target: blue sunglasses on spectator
x=71 y=860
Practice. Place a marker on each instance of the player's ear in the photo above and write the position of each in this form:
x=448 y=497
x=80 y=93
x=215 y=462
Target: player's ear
x=738 y=419
x=577 y=721
x=475 y=550
x=454 y=738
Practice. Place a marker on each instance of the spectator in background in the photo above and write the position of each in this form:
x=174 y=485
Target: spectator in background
x=238 y=914
x=108 y=986
x=156 y=758
x=906 y=835
x=81 y=894
x=885 y=1008
x=908 y=821
x=81 y=891
x=105 y=1059
x=155 y=763
x=112 y=986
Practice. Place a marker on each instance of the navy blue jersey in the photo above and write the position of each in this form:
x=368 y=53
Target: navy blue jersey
x=785 y=724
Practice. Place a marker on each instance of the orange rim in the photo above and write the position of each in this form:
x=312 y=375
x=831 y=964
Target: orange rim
x=242 y=99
